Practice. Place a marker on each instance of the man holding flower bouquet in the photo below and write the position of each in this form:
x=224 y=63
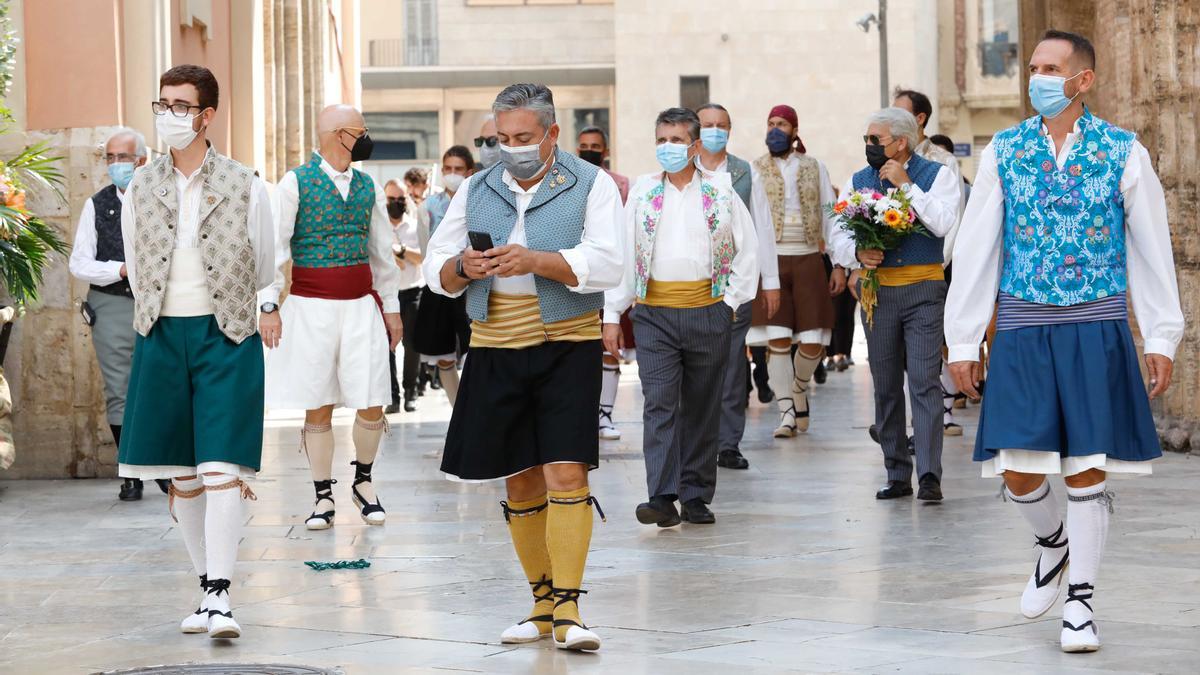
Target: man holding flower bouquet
x=893 y=215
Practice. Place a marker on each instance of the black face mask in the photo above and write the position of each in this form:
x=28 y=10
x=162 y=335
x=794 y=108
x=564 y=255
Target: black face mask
x=361 y=150
x=592 y=157
x=395 y=209
x=877 y=156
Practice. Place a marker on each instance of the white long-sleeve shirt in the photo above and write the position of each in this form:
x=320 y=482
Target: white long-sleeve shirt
x=83 y=263
x=406 y=235
x=764 y=226
x=384 y=273
x=260 y=224
x=979 y=251
x=596 y=260
x=936 y=153
x=937 y=208
x=683 y=245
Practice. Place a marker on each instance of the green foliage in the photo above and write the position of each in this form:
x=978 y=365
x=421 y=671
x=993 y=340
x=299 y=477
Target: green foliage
x=8 y=52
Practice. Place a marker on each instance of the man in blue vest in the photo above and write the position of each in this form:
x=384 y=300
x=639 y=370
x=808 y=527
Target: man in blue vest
x=907 y=331
x=526 y=406
x=715 y=124
x=1067 y=224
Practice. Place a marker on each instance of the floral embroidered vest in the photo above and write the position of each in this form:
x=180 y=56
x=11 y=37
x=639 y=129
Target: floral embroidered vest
x=808 y=182
x=1064 y=230
x=331 y=231
x=715 y=194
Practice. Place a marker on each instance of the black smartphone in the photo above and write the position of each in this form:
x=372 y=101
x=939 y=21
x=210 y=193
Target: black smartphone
x=481 y=241
x=89 y=314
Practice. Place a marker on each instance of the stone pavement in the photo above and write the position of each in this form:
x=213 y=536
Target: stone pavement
x=803 y=572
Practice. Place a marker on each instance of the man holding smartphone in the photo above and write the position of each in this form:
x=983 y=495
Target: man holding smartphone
x=529 y=393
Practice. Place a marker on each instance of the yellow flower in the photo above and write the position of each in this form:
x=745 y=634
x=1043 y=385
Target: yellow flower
x=892 y=218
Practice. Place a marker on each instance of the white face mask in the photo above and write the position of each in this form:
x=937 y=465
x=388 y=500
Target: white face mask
x=452 y=181
x=175 y=131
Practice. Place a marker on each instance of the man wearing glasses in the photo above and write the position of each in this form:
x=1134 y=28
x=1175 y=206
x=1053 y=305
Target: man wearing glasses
x=198 y=237
x=98 y=258
x=488 y=143
x=330 y=342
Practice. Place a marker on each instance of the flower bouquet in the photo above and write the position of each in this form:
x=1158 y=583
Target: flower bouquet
x=876 y=220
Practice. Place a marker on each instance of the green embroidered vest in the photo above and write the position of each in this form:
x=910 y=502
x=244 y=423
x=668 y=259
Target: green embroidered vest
x=331 y=231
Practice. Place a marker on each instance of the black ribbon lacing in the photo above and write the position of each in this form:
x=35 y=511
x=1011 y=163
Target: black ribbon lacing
x=520 y=513
x=1053 y=541
x=537 y=586
x=563 y=596
x=1080 y=593
x=589 y=500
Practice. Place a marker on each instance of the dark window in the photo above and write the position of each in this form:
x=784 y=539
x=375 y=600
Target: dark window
x=693 y=91
x=404 y=135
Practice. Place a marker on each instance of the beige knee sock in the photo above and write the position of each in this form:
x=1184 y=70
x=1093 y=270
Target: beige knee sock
x=804 y=368
x=780 y=374
x=317 y=442
x=367 y=435
x=449 y=379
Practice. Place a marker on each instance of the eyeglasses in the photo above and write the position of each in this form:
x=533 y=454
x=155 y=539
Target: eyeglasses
x=871 y=139
x=356 y=132
x=177 y=109
x=119 y=157
x=491 y=141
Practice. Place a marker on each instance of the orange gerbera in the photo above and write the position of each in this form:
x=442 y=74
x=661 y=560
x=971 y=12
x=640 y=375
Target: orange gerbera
x=892 y=218
x=839 y=207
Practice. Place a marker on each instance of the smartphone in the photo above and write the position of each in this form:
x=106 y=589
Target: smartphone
x=481 y=241
x=89 y=314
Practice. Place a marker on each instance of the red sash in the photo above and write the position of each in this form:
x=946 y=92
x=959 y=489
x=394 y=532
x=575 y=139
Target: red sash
x=334 y=283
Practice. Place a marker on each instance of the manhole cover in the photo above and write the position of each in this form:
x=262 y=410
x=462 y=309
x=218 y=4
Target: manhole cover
x=227 y=669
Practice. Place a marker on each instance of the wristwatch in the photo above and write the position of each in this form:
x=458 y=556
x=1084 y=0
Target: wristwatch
x=906 y=187
x=269 y=308
x=458 y=268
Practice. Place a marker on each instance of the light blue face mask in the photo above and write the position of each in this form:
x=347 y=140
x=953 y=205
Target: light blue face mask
x=714 y=138
x=121 y=173
x=673 y=157
x=1047 y=94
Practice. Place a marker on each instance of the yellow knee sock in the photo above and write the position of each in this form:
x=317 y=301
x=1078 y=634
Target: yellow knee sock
x=527 y=525
x=568 y=535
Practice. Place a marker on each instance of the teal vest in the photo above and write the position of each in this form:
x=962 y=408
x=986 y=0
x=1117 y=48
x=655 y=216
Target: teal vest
x=553 y=222
x=739 y=173
x=331 y=231
x=1064 y=230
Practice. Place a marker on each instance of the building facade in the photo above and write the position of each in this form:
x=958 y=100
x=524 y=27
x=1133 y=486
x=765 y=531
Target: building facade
x=85 y=67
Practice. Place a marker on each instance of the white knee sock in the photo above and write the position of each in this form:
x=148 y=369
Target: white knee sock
x=448 y=376
x=367 y=435
x=222 y=531
x=188 y=506
x=803 y=367
x=608 y=387
x=1088 y=510
x=780 y=373
x=1040 y=510
x=949 y=391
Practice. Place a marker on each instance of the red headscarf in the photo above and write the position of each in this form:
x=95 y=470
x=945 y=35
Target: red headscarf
x=788 y=113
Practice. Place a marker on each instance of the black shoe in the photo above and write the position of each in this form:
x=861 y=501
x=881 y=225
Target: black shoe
x=820 y=374
x=930 y=488
x=843 y=364
x=765 y=395
x=658 y=511
x=391 y=409
x=732 y=459
x=696 y=512
x=873 y=432
x=131 y=490
x=894 y=489
x=435 y=381
x=163 y=484
x=410 y=405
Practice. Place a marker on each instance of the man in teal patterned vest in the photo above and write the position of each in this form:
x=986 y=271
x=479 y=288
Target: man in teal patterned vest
x=1067 y=226
x=715 y=125
x=527 y=401
x=334 y=230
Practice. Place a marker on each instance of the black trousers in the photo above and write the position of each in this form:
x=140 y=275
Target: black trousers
x=409 y=301
x=842 y=339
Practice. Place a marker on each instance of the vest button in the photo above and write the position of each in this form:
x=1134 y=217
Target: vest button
x=210 y=268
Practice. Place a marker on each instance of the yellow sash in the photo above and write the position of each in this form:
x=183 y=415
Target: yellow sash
x=909 y=274
x=515 y=322
x=680 y=294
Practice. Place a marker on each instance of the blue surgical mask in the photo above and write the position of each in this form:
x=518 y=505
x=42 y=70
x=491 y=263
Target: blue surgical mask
x=714 y=138
x=672 y=156
x=777 y=141
x=121 y=173
x=1047 y=94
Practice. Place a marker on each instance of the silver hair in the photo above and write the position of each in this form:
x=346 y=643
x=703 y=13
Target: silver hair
x=139 y=141
x=899 y=122
x=536 y=98
x=682 y=116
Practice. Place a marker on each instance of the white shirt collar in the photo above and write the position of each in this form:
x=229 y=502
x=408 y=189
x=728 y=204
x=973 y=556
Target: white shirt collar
x=512 y=182
x=334 y=173
x=196 y=173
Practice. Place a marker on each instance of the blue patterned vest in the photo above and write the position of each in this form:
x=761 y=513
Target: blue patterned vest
x=331 y=231
x=1064 y=230
x=553 y=221
x=739 y=173
x=916 y=249
x=436 y=205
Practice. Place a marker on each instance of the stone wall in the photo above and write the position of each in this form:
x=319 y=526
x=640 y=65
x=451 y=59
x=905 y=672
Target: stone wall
x=1148 y=67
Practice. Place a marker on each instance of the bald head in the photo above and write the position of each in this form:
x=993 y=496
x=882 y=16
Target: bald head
x=338 y=127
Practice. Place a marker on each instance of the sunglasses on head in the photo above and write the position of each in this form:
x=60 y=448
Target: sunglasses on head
x=491 y=141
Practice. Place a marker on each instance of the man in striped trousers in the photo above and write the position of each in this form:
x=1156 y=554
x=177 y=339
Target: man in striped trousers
x=689 y=263
x=907 y=331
